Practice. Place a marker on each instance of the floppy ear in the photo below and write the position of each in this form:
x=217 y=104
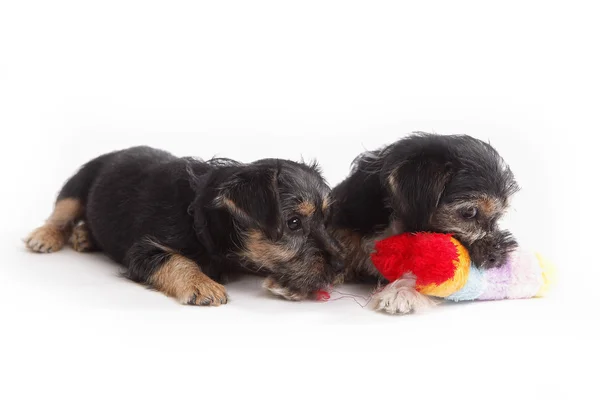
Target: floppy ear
x=415 y=187
x=198 y=184
x=251 y=196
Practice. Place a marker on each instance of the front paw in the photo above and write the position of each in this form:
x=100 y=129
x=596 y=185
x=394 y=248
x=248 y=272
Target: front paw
x=272 y=286
x=401 y=297
x=204 y=292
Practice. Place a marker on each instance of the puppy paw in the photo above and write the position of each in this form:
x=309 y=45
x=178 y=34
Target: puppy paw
x=401 y=297
x=45 y=239
x=181 y=278
x=281 y=291
x=81 y=239
x=204 y=293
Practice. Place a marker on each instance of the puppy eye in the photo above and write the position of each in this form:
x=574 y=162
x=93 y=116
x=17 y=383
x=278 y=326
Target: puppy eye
x=469 y=213
x=294 y=223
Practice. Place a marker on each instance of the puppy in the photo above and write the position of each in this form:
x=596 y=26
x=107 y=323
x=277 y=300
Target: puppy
x=424 y=182
x=180 y=225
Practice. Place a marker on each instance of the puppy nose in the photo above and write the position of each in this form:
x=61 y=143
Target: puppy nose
x=337 y=266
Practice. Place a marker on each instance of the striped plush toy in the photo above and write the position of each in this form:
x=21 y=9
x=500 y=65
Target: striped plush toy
x=443 y=268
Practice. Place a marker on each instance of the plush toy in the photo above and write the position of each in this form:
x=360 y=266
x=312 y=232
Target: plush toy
x=443 y=268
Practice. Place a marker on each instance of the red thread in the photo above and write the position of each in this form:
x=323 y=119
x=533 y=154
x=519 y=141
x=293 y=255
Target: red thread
x=322 y=293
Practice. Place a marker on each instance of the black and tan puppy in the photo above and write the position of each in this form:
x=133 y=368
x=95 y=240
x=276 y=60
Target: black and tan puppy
x=180 y=225
x=424 y=182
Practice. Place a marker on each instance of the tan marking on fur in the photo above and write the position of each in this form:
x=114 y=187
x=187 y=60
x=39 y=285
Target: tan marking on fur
x=80 y=238
x=232 y=207
x=354 y=254
x=326 y=203
x=264 y=252
x=52 y=235
x=181 y=278
x=306 y=208
x=358 y=249
x=348 y=238
x=489 y=205
x=391 y=180
x=65 y=212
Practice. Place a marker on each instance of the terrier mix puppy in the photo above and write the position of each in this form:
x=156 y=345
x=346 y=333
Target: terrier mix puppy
x=424 y=182
x=180 y=225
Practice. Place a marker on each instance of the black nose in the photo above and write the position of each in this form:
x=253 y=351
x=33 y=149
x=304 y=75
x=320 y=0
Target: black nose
x=337 y=266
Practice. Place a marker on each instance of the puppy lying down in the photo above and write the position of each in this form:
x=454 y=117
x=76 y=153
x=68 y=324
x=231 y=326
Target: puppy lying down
x=180 y=225
x=424 y=182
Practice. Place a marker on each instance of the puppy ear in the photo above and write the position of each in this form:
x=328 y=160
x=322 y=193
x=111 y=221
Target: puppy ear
x=251 y=196
x=198 y=184
x=415 y=187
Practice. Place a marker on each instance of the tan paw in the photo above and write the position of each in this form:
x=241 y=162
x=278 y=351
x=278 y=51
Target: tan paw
x=80 y=238
x=204 y=293
x=181 y=278
x=45 y=239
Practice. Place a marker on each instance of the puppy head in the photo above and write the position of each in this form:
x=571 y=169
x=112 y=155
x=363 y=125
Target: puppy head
x=453 y=184
x=281 y=209
x=492 y=250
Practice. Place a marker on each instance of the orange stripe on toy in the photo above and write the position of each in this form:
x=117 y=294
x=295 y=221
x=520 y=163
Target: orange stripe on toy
x=462 y=262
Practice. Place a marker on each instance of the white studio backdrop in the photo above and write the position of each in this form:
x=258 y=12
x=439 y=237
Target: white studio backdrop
x=318 y=80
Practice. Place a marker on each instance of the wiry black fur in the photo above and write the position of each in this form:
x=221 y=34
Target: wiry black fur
x=493 y=250
x=423 y=182
x=141 y=199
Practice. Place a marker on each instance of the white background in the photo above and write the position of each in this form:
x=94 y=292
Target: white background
x=317 y=79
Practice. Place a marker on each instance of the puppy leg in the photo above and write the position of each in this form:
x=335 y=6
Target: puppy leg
x=68 y=209
x=173 y=274
x=401 y=297
x=181 y=278
x=53 y=234
x=81 y=238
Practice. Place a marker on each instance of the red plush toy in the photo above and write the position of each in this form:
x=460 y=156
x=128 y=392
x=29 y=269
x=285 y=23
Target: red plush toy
x=438 y=261
x=441 y=267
